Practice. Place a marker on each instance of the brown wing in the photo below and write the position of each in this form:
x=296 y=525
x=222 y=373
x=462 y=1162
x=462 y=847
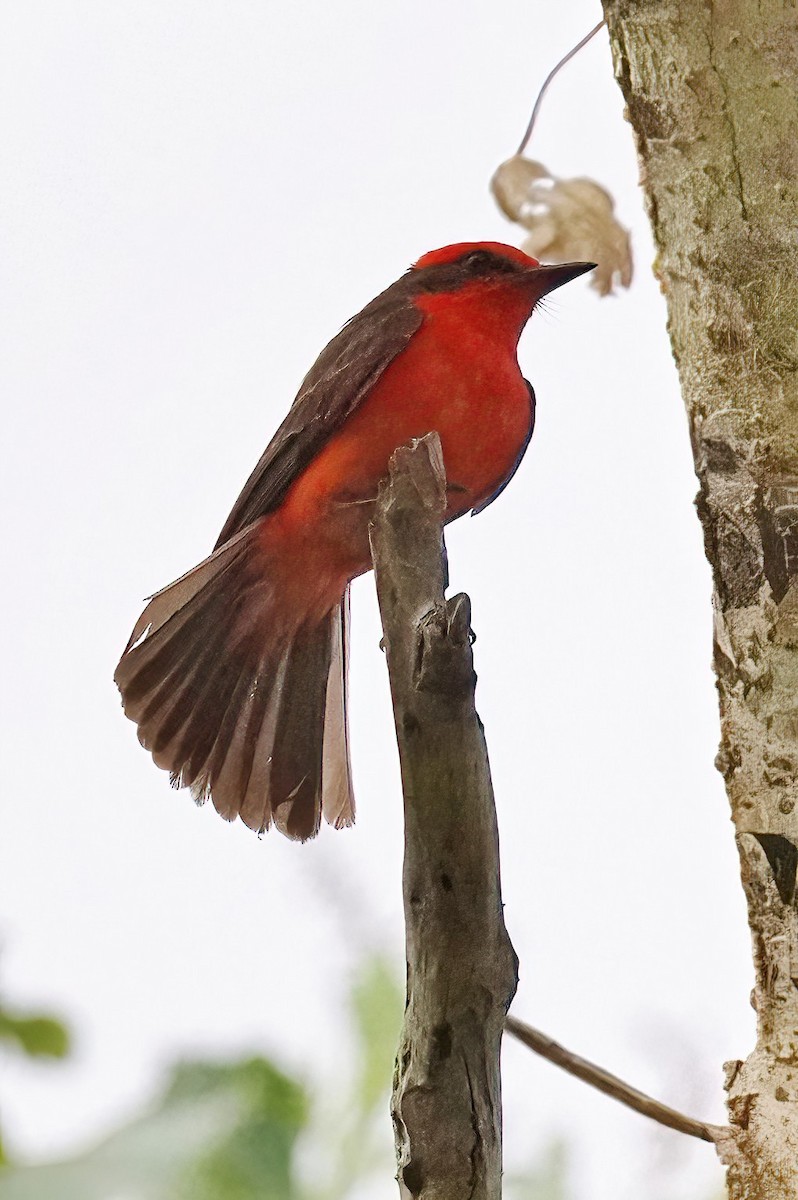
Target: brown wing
x=342 y=376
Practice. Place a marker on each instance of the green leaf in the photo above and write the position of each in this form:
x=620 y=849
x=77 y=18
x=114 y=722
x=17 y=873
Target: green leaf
x=254 y=1159
x=219 y=1132
x=40 y=1036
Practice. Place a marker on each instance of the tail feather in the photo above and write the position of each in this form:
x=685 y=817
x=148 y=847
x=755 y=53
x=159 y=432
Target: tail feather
x=240 y=702
x=176 y=671
x=230 y=770
x=255 y=805
x=295 y=780
x=174 y=598
x=221 y=678
x=164 y=639
x=338 y=801
x=207 y=758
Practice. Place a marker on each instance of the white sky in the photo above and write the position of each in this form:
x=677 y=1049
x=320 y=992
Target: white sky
x=196 y=196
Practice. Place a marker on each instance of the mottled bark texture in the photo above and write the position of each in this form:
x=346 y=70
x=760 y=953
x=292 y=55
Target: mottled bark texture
x=461 y=967
x=712 y=93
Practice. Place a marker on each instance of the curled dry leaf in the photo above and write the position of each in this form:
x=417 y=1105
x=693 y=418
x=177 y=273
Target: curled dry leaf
x=566 y=219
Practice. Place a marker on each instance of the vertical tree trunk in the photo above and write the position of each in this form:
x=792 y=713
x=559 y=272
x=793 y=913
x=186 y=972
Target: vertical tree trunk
x=712 y=93
x=461 y=967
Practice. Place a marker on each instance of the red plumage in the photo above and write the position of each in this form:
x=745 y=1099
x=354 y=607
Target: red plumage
x=236 y=673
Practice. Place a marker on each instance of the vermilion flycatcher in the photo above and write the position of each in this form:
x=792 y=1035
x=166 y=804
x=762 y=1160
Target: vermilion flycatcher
x=236 y=674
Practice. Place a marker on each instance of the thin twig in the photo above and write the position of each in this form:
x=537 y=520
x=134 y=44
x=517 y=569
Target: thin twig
x=597 y=1077
x=547 y=81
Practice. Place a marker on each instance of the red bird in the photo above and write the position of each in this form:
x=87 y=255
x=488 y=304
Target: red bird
x=236 y=674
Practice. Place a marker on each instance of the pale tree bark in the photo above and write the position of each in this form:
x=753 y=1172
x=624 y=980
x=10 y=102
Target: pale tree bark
x=712 y=93
x=461 y=967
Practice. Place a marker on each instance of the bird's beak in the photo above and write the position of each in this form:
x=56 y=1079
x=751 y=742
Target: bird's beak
x=549 y=276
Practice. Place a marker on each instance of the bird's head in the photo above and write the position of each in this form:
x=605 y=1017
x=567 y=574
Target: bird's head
x=468 y=265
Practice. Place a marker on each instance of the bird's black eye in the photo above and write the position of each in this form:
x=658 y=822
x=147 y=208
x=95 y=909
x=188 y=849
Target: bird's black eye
x=485 y=262
x=478 y=260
